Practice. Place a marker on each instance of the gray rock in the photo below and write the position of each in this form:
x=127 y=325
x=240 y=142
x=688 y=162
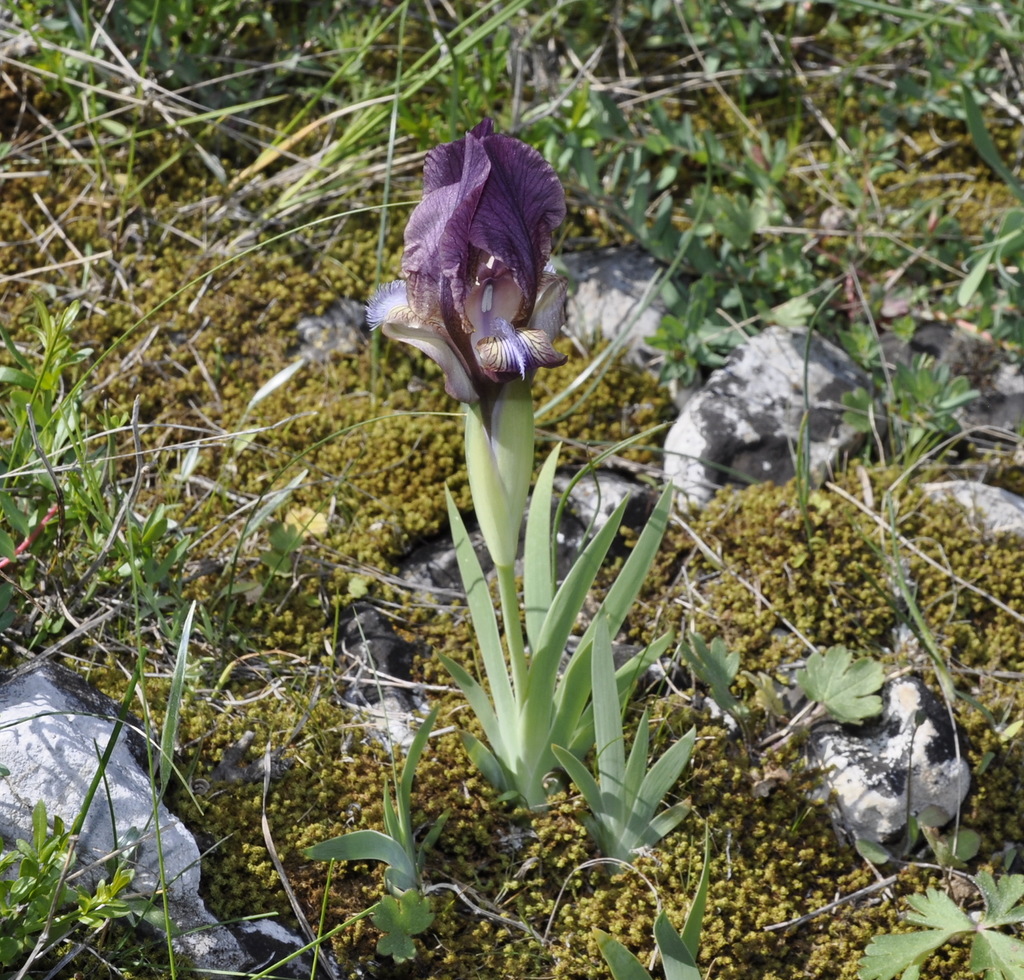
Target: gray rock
x=378 y=673
x=746 y=420
x=609 y=293
x=596 y=495
x=53 y=729
x=991 y=509
x=341 y=329
x=910 y=759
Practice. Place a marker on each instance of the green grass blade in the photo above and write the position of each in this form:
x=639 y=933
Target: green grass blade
x=627 y=585
x=366 y=125
x=538 y=573
x=485 y=623
x=173 y=716
x=984 y=145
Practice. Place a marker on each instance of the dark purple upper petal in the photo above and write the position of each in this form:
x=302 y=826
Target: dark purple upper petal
x=522 y=203
x=485 y=195
x=444 y=163
x=489 y=207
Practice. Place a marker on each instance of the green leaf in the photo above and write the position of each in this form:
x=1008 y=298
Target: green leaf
x=623 y=964
x=409 y=913
x=574 y=718
x=363 y=845
x=665 y=772
x=400 y=919
x=412 y=760
x=937 y=910
x=485 y=760
x=846 y=688
x=572 y=593
x=39 y=826
x=951 y=850
x=872 y=851
x=20 y=379
x=716 y=667
x=695 y=917
x=625 y=795
x=680 y=962
x=495 y=725
x=485 y=623
x=887 y=956
x=970 y=284
x=965 y=844
x=629 y=581
x=1001 y=898
x=580 y=775
x=538 y=576
x=999 y=955
x=795 y=312
x=608 y=738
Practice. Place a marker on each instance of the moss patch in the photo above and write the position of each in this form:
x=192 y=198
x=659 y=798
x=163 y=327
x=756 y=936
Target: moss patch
x=775 y=857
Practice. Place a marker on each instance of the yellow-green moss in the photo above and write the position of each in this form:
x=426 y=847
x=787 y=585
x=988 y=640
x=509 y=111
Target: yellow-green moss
x=774 y=857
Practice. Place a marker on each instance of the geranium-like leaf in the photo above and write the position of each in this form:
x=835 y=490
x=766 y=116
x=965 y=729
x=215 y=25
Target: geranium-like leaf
x=399 y=919
x=997 y=955
x=890 y=956
x=1001 y=898
x=847 y=688
x=1001 y=957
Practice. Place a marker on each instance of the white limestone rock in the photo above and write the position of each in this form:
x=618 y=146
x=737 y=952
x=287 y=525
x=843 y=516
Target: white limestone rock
x=991 y=509
x=746 y=420
x=909 y=759
x=54 y=728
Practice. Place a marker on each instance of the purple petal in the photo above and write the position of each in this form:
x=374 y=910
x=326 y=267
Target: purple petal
x=522 y=203
x=479 y=297
x=511 y=353
x=444 y=164
x=458 y=380
x=436 y=247
x=457 y=256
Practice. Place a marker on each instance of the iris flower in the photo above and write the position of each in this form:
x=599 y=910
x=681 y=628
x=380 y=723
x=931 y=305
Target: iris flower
x=481 y=299
x=479 y=296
